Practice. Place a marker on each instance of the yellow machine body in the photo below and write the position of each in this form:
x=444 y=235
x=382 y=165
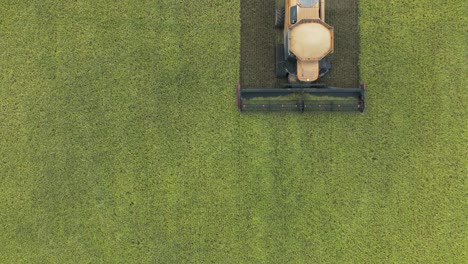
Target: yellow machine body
x=309 y=38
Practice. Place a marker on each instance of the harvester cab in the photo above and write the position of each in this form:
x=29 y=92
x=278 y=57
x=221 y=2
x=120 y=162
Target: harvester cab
x=302 y=59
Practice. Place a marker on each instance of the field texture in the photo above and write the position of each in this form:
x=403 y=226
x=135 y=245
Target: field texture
x=120 y=141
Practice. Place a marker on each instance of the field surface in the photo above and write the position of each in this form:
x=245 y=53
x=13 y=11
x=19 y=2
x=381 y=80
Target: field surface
x=120 y=141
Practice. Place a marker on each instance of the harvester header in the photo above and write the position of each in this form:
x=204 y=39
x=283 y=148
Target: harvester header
x=320 y=98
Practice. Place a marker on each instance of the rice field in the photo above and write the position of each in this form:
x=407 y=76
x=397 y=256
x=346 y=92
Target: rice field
x=120 y=141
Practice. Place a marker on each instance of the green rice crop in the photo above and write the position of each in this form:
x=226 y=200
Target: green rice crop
x=120 y=141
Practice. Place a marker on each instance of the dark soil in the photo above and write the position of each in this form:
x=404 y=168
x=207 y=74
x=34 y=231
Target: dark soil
x=258 y=38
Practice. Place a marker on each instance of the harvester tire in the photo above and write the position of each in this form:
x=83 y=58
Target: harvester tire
x=279 y=17
x=280 y=63
x=324 y=67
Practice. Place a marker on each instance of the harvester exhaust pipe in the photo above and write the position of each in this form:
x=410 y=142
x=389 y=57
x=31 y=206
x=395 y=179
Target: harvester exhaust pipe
x=322 y=10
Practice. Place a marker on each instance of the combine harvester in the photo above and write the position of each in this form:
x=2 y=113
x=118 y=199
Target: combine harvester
x=302 y=59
